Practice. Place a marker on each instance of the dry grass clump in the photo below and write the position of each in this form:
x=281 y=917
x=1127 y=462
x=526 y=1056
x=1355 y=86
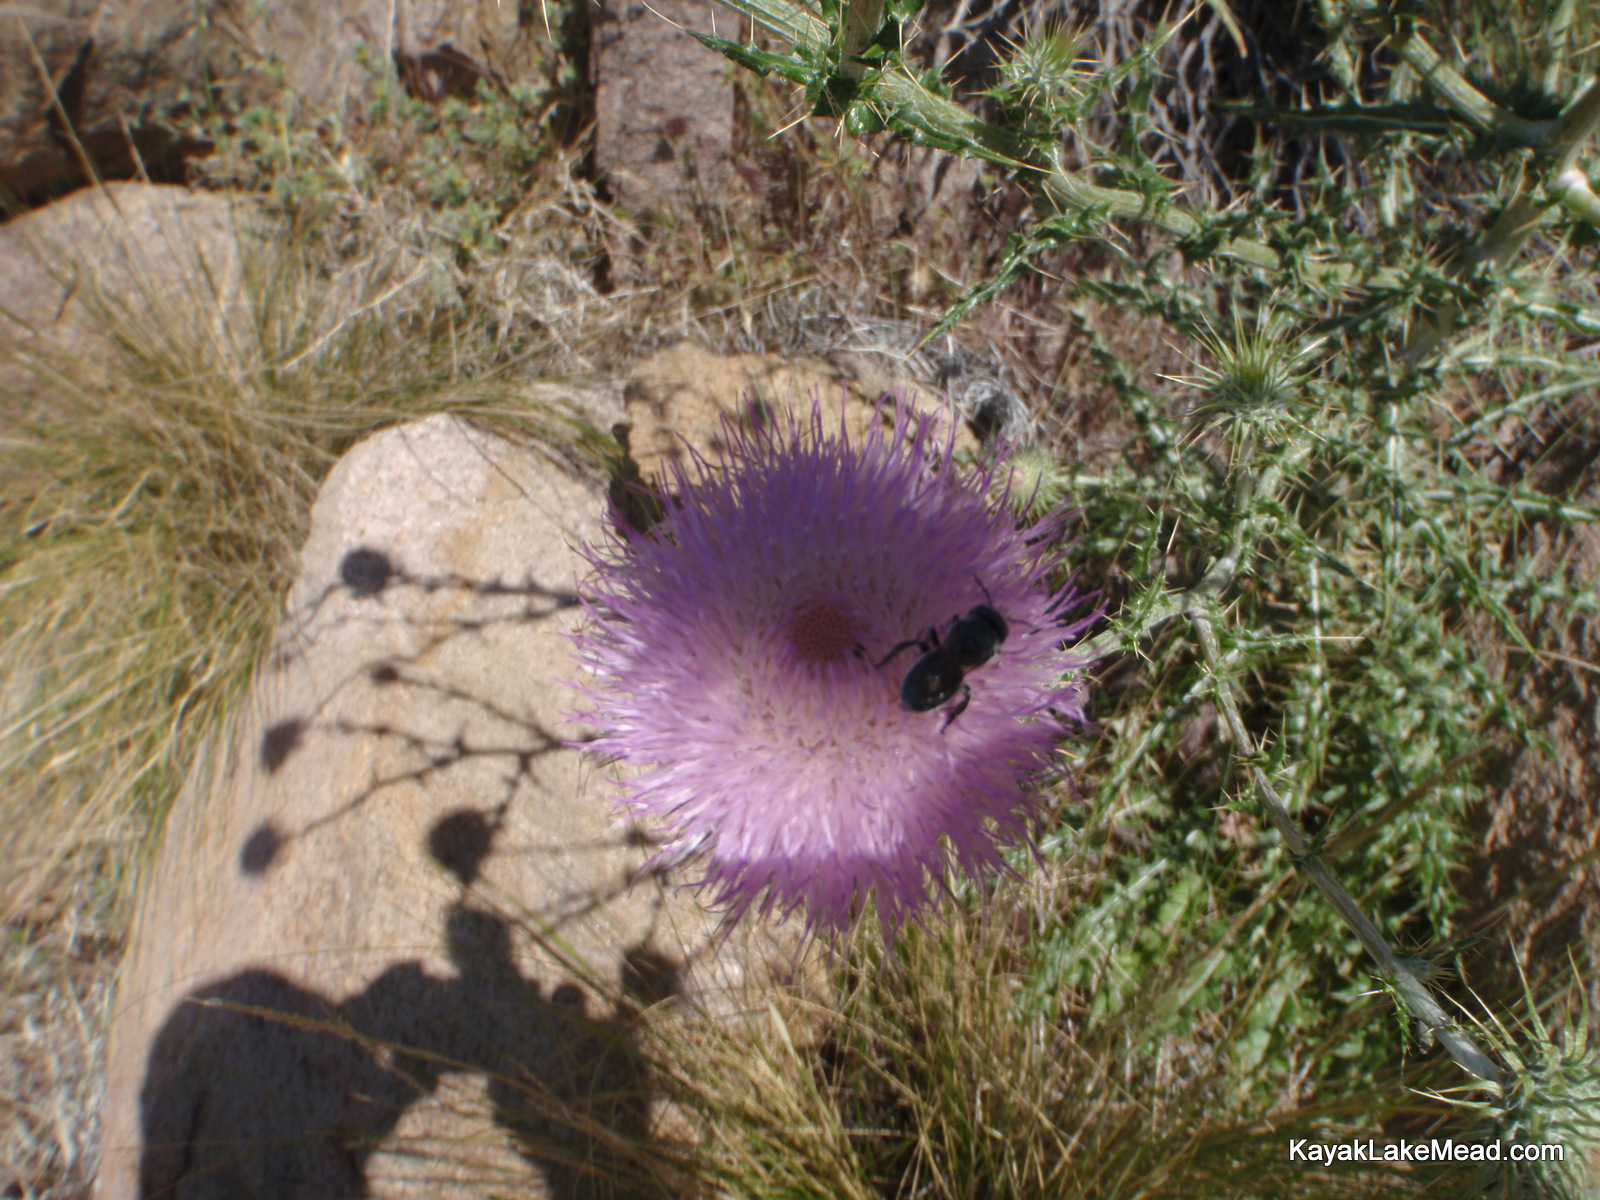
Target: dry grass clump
x=157 y=502
x=55 y=978
x=938 y=1070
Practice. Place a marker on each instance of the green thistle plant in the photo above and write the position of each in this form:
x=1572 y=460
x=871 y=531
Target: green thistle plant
x=1550 y=1095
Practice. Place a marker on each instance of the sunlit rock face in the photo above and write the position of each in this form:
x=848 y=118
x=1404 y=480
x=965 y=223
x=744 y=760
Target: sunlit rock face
x=395 y=944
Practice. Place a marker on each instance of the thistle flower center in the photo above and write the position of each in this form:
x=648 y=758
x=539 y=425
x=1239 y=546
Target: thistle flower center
x=822 y=632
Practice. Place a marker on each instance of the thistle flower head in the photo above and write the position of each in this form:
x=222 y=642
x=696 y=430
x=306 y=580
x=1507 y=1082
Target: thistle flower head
x=1255 y=369
x=1257 y=390
x=1042 y=78
x=734 y=658
x=1549 y=1094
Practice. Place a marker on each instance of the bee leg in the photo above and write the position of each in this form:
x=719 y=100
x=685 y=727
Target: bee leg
x=961 y=707
x=898 y=648
x=920 y=643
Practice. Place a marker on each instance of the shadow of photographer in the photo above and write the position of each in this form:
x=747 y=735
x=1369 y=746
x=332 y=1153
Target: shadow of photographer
x=259 y=1087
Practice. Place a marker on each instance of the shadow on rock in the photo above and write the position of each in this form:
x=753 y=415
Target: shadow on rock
x=259 y=1087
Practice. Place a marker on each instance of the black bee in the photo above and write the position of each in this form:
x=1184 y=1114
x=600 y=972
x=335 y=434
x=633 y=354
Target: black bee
x=942 y=670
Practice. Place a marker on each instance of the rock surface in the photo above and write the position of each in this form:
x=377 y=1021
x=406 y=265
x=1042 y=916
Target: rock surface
x=101 y=258
x=395 y=943
x=663 y=102
x=678 y=398
x=123 y=72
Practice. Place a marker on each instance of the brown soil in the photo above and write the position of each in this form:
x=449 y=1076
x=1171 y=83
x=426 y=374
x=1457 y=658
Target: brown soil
x=1535 y=888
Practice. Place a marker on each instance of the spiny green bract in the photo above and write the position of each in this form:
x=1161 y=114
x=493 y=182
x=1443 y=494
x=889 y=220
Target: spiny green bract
x=1550 y=1097
x=1257 y=389
x=1040 y=82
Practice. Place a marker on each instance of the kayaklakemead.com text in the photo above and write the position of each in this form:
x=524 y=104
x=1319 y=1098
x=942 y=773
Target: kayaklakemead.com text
x=1435 y=1150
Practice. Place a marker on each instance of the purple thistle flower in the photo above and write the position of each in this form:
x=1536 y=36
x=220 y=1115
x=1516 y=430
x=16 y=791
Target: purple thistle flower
x=733 y=653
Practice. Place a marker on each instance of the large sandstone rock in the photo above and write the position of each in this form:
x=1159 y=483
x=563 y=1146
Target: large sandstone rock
x=395 y=946
x=123 y=72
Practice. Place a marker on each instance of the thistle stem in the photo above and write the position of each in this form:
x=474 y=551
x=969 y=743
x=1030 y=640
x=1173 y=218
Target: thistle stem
x=1466 y=101
x=1572 y=189
x=1517 y=221
x=1462 y=1049
x=862 y=20
x=1196 y=604
x=1056 y=190
x=944 y=122
x=1557 y=35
